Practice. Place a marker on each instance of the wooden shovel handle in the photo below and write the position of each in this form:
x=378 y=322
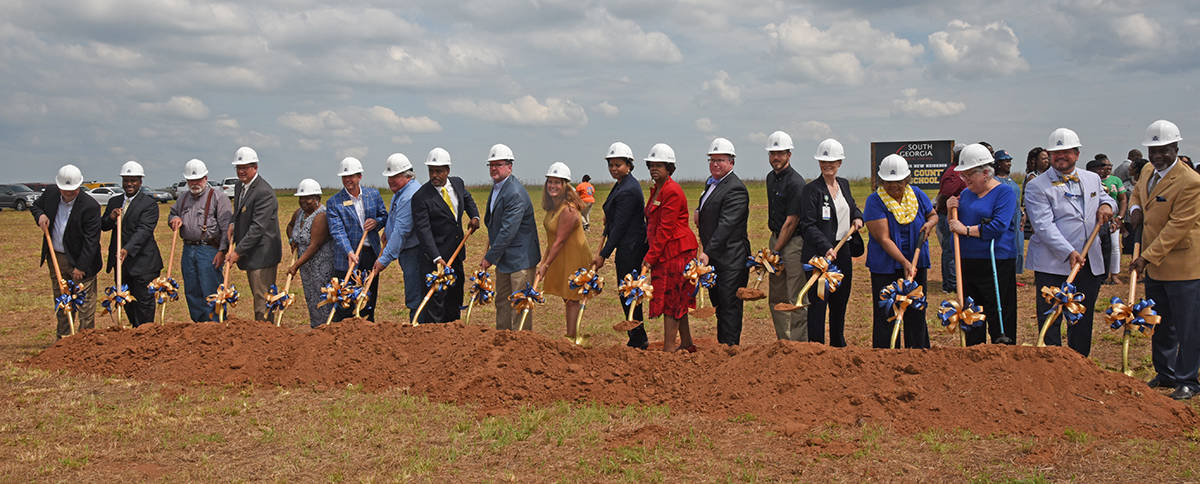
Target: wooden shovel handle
x=1086 y=248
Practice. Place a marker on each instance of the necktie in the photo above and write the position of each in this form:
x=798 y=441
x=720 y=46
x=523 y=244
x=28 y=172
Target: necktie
x=446 y=197
x=1153 y=181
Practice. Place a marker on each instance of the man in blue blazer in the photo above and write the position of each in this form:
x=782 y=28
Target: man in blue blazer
x=401 y=245
x=352 y=211
x=512 y=236
x=438 y=209
x=1064 y=205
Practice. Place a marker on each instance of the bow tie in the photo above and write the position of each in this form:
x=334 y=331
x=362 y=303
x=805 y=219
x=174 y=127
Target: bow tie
x=1070 y=178
x=710 y=182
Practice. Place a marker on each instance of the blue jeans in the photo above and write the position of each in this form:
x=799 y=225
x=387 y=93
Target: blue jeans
x=946 y=239
x=200 y=279
x=414 y=281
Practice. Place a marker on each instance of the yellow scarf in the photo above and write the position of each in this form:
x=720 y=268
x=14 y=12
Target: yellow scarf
x=904 y=210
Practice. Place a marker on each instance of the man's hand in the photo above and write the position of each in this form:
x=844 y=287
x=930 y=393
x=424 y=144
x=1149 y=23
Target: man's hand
x=77 y=274
x=484 y=264
x=702 y=257
x=1076 y=259
x=830 y=254
x=122 y=254
x=440 y=263
x=115 y=213
x=218 y=260
x=232 y=257
x=377 y=268
x=951 y=202
x=370 y=225
x=1138 y=265
x=44 y=222
x=598 y=261
x=473 y=224
x=352 y=258
x=1104 y=213
x=1135 y=217
x=175 y=223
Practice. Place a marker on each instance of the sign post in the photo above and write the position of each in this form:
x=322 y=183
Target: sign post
x=926 y=159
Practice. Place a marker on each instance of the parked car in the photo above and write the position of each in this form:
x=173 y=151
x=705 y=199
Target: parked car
x=17 y=197
x=158 y=195
x=227 y=185
x=102 y=194
x=37 y=186
x=95 y=184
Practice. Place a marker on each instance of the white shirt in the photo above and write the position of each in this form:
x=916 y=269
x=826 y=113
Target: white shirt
x=358 y=206
x=60 y=223
x=843 y=214
x=453 y=199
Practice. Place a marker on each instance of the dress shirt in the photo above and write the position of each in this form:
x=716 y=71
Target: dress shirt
x=60 y=222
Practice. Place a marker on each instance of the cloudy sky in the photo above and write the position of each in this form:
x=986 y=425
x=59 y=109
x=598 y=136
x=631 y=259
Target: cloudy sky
x=305 y=83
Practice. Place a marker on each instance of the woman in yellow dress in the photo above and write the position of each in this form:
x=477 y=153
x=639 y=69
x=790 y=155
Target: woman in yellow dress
x=566 y=250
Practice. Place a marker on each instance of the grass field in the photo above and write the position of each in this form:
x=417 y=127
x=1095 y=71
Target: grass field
x=68 y=427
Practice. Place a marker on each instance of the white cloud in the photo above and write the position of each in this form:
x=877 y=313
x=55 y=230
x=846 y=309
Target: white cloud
x=799 y=131
x=389 y=118
x=721 y=88
x=841 y=54
x=600 y=35
x=309 y=144
x=706 y=125
x=258 y=140
x=359 y=152
x=1138 y=31
x=523 y=111
x=186 y=107
x=227 y=123
x=912 y=106
x=324 y=122
x=971 y=52
x=607 y=109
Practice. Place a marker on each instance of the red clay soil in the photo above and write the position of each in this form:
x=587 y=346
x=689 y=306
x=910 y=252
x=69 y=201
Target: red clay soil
x=793 y=386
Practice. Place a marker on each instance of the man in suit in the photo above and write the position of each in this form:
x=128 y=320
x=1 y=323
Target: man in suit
x=351 y=212
x=255 y=229
x=1064 y=205
x=625 y=229
x=1167 y=199
x=140 y=260
x=438 y=209
x=512 y=236
x=784 y=187
x=721 y=218
x=73 y=220
x=401 y=244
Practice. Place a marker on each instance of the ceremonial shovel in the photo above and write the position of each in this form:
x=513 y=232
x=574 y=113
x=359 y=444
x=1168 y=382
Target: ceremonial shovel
x=763 y=261
x=225 y=292
x=345 y=282
x=164 y=283
x=62 y=283
x=811 y=279
x=525 y=311
x=434 y=287
x=118 y=296
x=287 y=287
x=629 y=323
x=899 y=315
x=1058 y=308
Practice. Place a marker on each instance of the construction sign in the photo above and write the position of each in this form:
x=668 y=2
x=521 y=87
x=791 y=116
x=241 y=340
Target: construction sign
x=926 y=159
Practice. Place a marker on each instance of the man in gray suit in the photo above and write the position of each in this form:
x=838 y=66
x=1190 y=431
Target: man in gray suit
x=255 y=229
x=1064 y=205
x=512 y=236
x=721 y=217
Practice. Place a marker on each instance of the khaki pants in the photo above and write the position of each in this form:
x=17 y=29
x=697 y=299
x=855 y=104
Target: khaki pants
x=784 y=286
x=260 y=283
x=584 y=212
x=85 y=317
x=506 y=284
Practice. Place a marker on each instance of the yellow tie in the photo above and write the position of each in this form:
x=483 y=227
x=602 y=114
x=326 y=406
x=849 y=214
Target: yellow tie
x=446 y=197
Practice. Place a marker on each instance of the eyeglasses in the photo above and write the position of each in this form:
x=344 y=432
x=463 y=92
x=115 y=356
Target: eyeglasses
x=496 y=164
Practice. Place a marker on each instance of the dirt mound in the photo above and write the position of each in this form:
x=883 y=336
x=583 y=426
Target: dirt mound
x=987 y=389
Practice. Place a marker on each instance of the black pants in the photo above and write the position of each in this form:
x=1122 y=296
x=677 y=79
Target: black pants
x=728 y=306
x=1079 y=335
x=1175 y=345
x=915 y=332
x=626 y=263
x=836 y=303
x=443 y=306
x=977 y=274
x=366 y=261
x=1105 y=237
x=141 y=310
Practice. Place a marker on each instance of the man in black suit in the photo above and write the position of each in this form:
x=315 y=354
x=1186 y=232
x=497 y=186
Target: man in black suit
x=73 y=220
x=140 y=260
x=255 y=229
x=721 y=218
x=437 y=210
x=625 y=229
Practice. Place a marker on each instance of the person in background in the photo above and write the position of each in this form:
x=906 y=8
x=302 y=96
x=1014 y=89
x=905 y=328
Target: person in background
x=1004 y=174
x=1187 y=160
x=255 y=229
x=308 y=234
x=625 y=229
x=897 y=216
x=1132 y=232
x=985 y=211
x=140 y=260
x=587 y=194
x=1110 y=234
x=73 y=220
x=672 y=245
x=1125 y=170
x=353 y=211
x=566 y=245
x=949 y=185
x=1036 y=163
x=721 y=217
x=202 y=218
x=828 y=213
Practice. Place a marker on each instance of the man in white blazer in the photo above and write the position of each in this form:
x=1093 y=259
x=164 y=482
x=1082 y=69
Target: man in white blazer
x=1064 y=205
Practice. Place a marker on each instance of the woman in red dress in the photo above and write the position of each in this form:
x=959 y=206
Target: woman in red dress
x=672 y=246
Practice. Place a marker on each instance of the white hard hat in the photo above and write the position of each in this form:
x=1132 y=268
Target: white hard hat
x=69 y=177
x=974 y=155
x=830 y=150
x=721 y=146
x=194 y=170
x=619 y=150
x=132 y=168
x=307 y=187
x=779 y=141
x=1062 y=139
x=893 y=167
x=350 y=166
x=500 y=151
x=559 y=169
x=661 y=153
x=245 y=156
x=1161 y=133
x=441 y=157
x=396 y=164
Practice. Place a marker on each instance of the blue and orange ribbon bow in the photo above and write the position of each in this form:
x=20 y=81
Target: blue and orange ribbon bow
x=441 y=278
x=699 y=275
x=899 y=296
x=276 y=300
x=524 y=299
x=955 y=318
x=635 y=288
x=116 y=297
x=164 y=289
x=1066 y=297
x=764 y=259
x=1141 y=315
x=830 y=278
x=483 y=288
x=72 y=299
x=586 y=282
x=225 y=297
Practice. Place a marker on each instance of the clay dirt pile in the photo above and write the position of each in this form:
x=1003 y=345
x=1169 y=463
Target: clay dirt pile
x=987 y=389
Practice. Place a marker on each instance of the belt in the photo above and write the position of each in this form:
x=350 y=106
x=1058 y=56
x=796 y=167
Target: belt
x=200 y=242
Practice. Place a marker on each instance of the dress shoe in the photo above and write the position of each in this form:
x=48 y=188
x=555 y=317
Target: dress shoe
x=1160 y=382
x=1003 y=340
x=1183 y=393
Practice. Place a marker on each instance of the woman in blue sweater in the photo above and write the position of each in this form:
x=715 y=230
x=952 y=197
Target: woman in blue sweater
x=985 y=213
